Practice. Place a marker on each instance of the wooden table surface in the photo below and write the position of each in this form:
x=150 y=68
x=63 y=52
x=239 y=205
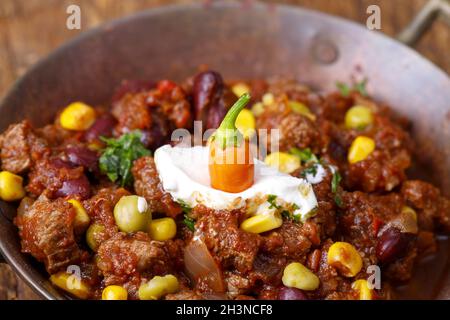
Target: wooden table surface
x=29 y=29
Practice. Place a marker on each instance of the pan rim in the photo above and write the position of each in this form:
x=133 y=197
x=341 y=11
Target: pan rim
x=19 y=269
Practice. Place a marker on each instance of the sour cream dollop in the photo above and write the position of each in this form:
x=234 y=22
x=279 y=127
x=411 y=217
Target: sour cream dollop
x=184 y=174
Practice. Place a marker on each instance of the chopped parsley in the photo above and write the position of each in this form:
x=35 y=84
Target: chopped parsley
x=118 y=156
x=272 y=199
x=335 y=181
x=305 y=155
x=338 y=200
x=188 y=221
x=184 y=206
x=289 y=216
x=312 y=170
x=361 y=87
x=345 y=89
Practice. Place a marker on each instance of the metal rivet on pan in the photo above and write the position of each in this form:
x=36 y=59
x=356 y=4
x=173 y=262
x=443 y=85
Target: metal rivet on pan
x=324 y=51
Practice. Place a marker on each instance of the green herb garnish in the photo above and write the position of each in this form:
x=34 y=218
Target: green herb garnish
x=289 y=216
x=305 y=155
x=118 y=156
x=189 y=222
x=271 y=198
x=338 y=200
x=361 y=87
x=312 y=170
x=345 y=89
x=335 y=181
x=184 y=206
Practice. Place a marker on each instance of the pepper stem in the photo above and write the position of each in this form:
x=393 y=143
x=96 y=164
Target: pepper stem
x=227 y=133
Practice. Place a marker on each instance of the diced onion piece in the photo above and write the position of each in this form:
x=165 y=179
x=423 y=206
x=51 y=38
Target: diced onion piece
x=201 y=266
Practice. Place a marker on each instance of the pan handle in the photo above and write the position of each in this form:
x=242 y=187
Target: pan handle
x=424 y=19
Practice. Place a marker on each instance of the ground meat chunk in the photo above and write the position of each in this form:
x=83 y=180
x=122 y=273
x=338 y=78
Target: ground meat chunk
x=54 y=134
x=433 y=210
x=290 y=240
x=156 y=112
x=184 y=295
x=364 y=221
x=58 y=179
x=21 y=147
x=128 y=258
x=101 y=209
x=384 y=168
x=363 y=217
x=233 y=247
x=331 y=283
x=46 y=230
x=132 y=112
x=401 y=269
x=295 y=130
x=148 y=185
x=172 y=101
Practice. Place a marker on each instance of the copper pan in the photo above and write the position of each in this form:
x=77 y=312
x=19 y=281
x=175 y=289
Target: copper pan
x=248 y=41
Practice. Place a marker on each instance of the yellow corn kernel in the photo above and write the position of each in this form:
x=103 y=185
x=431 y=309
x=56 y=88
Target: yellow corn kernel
x=245 y=123
x=114 y=293
x=362 y=287
x=11 y=188
x=360 y=149
x=77 y=116
x=345 y=258
x=72 y=284
x=92 y=234
x=257 y=109
x=82 y=219
x=283 y=161
x=268 y=99
x=95 y=146
x=261 y=223
x=358 y=117
x=240 y=88
x=158 y=287
x=302 y=109
x=296 y=275
x=162 y=229
x=410 y=211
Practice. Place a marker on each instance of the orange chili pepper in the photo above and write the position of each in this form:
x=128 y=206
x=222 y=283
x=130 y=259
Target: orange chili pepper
x=231 y=167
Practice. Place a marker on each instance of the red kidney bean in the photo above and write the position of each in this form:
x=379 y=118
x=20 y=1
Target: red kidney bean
x=287 y=293
x=158 y=134
x=59 y=163
x=103 y=126
x=208 y=92
x=82 y=156
x=80 y=187
x=392 y=245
